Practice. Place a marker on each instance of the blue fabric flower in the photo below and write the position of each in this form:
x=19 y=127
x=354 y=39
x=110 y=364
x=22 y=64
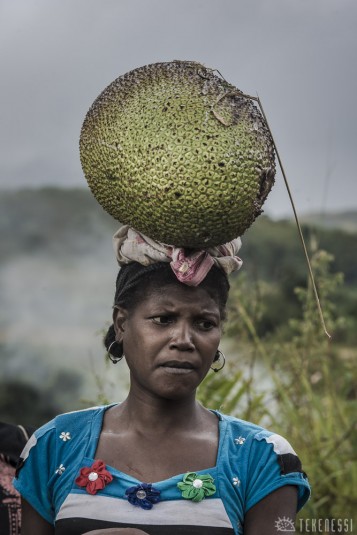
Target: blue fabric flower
x=143 y=495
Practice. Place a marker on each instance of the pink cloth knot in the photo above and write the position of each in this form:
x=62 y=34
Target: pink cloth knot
x=190 y=267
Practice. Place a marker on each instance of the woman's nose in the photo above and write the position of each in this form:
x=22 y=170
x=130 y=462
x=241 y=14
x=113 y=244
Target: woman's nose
x=182 y=338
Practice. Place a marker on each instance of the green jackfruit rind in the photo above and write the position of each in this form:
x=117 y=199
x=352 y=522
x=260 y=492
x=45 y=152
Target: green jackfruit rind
x=174 y=151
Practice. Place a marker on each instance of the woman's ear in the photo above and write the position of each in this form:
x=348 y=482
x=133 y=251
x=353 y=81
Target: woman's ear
x=120 y=316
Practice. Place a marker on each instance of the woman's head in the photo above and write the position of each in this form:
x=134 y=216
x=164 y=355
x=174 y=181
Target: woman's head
x=135 y=283
x=169 y=331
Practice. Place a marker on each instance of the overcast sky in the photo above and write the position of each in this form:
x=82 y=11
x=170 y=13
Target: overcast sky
x=56 y=56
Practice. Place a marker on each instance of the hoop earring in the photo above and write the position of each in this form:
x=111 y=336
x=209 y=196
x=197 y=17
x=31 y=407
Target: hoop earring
x=222 y=358
x=118 y=350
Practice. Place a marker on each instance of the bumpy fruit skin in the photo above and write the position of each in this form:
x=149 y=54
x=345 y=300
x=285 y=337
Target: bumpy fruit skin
x=176 y=152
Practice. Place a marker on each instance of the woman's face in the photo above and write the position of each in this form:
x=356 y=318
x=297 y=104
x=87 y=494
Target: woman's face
x=170 y=340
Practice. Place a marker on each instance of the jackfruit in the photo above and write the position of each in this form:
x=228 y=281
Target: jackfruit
x=178 y=153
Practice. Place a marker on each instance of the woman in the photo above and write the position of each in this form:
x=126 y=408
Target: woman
x=12 y=440
x=159 y=462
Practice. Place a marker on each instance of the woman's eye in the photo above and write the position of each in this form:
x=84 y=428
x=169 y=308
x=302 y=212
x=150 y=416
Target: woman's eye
x=205 y=325
x=162 y=320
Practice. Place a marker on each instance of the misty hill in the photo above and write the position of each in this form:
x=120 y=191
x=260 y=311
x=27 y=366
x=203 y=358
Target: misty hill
x=69 y=223
x=344 y=220
x=57 y=278
x=51 y=220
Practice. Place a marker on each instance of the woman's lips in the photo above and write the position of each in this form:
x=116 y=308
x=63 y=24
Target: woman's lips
x=177 y=367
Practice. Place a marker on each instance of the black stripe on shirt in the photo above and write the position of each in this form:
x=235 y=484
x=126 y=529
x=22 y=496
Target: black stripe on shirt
x=77 y=526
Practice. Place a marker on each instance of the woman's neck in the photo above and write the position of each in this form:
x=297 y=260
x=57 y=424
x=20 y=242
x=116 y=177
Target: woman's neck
x=141 y=411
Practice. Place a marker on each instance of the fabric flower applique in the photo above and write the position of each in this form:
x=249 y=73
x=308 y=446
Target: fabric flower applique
x=94 y=477
x=196 y=487
x=143 y=495
x=239 y=440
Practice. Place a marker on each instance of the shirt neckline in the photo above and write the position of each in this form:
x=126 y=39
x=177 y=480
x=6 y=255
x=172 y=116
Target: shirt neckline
x=96 y=428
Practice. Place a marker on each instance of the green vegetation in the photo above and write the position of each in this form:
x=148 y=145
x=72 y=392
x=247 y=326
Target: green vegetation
x=274 y=265
x=312 y=395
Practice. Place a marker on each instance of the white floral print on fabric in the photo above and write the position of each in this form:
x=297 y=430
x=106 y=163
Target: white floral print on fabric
x=60 y=469
x=65 y=435
x=236 y=481
x=239 y=440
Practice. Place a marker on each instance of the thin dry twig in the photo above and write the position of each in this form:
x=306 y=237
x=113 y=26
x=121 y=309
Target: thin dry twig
x=257 y=99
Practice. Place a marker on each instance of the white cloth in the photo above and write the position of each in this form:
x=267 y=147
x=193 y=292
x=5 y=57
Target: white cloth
x=191 y=269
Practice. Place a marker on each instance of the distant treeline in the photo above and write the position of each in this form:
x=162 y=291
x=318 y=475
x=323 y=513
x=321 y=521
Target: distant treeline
x=70 y=222
x=273 y=248
x=49 y=219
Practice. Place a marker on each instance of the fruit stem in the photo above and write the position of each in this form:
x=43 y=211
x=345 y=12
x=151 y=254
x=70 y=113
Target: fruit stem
x=257 y=99
x=296 y=219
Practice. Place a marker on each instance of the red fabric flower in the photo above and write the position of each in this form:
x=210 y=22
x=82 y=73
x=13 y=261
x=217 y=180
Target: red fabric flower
x=94 y=477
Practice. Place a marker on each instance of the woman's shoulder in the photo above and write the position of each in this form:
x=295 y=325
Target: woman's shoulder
x=64 y=428
x=264 y=460
x=78 y=419
x=244 y=432
x=234 y=425
x=66 y=433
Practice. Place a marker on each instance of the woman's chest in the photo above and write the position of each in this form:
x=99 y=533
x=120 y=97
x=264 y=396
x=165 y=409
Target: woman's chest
x=164 y=461
x=157 y=459
x=190 y=503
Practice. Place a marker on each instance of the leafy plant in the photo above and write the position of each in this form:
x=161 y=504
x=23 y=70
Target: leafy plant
x=319 y=414
x=312 y=395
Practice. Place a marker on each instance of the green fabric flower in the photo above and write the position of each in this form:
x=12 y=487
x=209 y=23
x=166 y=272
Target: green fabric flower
x=196 y=488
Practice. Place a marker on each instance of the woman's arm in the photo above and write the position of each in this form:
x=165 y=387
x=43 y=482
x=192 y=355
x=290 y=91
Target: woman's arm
x=32 y=522
x=262 y=517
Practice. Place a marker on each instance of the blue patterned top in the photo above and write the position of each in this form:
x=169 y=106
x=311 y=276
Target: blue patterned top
x=251 y=463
